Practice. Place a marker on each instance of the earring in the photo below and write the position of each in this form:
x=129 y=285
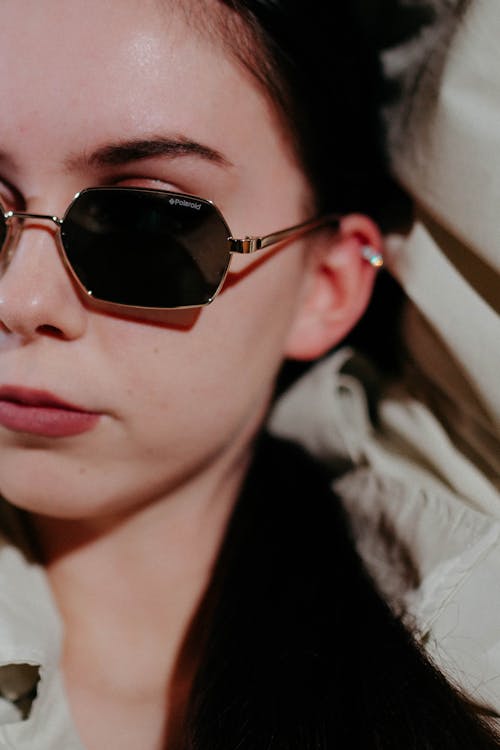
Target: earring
x=373 y=257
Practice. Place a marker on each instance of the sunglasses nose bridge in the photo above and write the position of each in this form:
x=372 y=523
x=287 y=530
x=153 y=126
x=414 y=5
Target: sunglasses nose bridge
x=15 y=223
x=21 y=216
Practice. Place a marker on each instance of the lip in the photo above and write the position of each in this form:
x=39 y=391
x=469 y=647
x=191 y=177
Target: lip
x=42 y=413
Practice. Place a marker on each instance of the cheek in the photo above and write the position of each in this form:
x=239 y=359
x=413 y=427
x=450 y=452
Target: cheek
x=178 y=401
x=221 y=369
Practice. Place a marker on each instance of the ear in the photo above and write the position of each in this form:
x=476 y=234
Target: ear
x=337 y=288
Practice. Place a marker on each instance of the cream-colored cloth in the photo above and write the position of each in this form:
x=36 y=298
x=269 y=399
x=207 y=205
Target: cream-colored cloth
x=30 y=641
x=444 y=140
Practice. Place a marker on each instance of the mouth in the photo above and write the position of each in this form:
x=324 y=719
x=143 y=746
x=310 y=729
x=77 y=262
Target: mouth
x=42 y=413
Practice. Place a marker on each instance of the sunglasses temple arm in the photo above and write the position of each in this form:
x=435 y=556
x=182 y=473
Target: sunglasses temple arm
x=252 y=244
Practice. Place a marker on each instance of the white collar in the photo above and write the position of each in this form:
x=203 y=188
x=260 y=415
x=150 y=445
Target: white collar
x=30 y=634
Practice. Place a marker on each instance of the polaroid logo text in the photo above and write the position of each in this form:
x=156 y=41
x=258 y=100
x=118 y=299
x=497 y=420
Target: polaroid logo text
x=184 y=202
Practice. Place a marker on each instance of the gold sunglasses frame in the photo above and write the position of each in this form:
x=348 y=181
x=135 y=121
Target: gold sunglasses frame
x=247 y=245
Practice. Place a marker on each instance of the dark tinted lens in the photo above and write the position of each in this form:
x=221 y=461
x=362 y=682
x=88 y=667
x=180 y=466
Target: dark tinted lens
x=146 y=248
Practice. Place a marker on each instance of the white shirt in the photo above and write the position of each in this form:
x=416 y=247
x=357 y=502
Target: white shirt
x=30 y=634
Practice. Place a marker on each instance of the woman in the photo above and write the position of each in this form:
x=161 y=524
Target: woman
x=130 y=415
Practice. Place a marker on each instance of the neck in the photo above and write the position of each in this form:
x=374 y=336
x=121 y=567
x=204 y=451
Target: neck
x=128 y=587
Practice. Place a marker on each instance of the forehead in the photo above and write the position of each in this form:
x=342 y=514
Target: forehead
x=80 y=74
x=81 y=67
x=71 y=51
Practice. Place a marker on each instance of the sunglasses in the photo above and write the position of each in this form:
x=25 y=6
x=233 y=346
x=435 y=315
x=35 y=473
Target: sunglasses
x=134 y=250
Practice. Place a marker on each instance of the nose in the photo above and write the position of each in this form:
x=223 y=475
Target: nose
x=37 y=295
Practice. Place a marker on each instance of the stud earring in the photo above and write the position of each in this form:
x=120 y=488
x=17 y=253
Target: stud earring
x=373 y=257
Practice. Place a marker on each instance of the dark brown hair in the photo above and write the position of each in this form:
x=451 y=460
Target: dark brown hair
x=294 y=648
x=299 y=650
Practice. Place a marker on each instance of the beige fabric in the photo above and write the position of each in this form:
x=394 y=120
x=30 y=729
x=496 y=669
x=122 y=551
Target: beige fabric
x=30 y=634
x=445 y=148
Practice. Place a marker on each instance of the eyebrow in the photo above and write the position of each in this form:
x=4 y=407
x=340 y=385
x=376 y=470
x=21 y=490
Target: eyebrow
x=124 y=152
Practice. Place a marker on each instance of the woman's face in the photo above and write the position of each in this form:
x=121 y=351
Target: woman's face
x=172 y=399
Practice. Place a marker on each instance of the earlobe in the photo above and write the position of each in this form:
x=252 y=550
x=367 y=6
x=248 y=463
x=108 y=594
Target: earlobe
x=338 y=287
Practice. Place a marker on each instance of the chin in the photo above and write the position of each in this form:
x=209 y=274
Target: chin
x=54 y=495
x=40 y=501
